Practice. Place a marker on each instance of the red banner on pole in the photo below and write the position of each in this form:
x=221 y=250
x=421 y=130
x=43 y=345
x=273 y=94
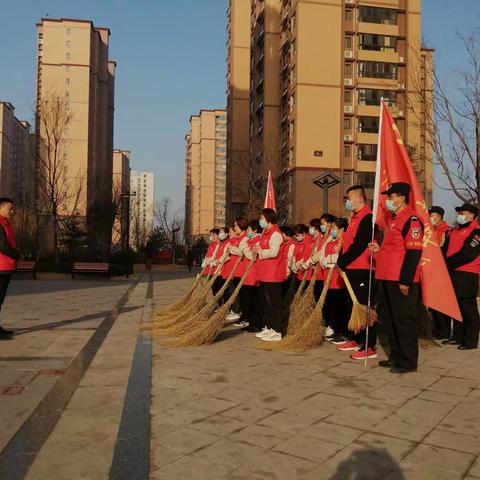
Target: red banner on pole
x=394 y=165
x=270 y=194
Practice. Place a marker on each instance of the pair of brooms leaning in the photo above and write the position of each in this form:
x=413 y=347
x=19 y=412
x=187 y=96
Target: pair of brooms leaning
x=194 y=321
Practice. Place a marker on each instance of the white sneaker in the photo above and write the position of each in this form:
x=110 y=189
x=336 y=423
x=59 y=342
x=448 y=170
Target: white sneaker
x=265 y=331
x=329 y=332
x=242 y=324
x=232 y=316
x=273 y=336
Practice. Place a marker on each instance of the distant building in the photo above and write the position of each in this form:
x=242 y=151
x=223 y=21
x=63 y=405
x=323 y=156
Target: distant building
x=73 y=66
x=141 y=207
x=120 y=196
x=17 y=163
x=205 y=173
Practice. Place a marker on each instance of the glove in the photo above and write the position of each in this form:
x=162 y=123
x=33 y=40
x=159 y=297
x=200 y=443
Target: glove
x=324 y=263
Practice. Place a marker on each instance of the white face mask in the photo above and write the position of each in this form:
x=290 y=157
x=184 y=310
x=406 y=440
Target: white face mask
x=211 y=238
x=433 y=220
x=461 y=219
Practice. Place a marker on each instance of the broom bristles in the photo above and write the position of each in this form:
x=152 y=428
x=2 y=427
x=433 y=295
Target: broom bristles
x=304 y=306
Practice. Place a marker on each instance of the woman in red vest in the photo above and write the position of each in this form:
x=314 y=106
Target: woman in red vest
x=8 y=255
x=462 y=249
x=271 y=274
x=289 y=246
x=221 y=253
x=211 y=254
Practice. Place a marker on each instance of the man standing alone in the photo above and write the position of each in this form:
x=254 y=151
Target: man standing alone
x=8 y=255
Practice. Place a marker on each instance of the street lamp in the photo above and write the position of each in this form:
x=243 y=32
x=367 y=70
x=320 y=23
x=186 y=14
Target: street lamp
x=126 y=237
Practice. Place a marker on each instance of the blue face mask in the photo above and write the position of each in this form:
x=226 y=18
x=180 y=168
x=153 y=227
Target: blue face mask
x=222 y=236
x=263 y=223
x=334 y=234
x=250 y=234
x=349 y=206
x=390 y=206
x=461 y=220
x=323 y=228
x=311 y=231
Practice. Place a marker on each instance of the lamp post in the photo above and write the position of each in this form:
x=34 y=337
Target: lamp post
x=126 y=237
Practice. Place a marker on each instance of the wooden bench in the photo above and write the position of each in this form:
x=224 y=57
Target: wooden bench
x=25 y=266
x=87 y=267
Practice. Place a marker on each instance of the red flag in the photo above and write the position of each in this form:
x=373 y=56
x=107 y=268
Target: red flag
x=270 y=194
x=394 y=165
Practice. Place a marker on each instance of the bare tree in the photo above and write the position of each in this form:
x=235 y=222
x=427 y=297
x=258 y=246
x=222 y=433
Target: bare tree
x=169 y=222
x=61 y=192
x=449 y=119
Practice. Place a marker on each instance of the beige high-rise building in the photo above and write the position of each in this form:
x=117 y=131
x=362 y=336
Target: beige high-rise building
x=121 y=196
x=238 y=107
x=205 y=173
x=73 y=69
x=337 y=59
x=265 y=74
x=17 y=164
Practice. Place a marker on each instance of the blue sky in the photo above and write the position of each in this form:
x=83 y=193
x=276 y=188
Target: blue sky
x=171 y=63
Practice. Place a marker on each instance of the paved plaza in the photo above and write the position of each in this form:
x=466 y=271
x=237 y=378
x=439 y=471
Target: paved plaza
x=84 y=394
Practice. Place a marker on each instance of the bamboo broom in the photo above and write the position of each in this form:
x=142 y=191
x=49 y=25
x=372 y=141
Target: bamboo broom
x=196 y=304
x=311 y=332
x=359 y=316
x=206 y=331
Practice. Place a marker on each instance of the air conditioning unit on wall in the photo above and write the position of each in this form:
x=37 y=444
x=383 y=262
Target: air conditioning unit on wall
x=350 y=2
x=348 y=82
x=348 y=54
x=347 y=138
x=348 y=109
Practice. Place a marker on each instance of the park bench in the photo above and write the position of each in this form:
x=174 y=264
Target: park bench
x=26 y=266
x=88 y=267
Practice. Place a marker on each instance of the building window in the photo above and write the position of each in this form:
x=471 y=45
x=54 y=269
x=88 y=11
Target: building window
x=67 y=94
x=377 y=70
x=384 y=16
x=347 y=151
x=67 y=56
x=348 y=42
x=349 y=15
x=367 y=179
x=347 y=96
x=379 y=43
x=368 y=96
x=348 y=69
x=367 y=152
x=347 y=124
x=69 y=31
x=69 y=44
x=67 y=81
x=67 y=68
x=368 y=124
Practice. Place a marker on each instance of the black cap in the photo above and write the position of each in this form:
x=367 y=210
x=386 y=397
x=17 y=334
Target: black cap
x=468 y=207
x=436 y=209
x=399 y=188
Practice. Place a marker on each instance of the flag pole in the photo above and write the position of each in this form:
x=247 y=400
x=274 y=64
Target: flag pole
x=374 y=217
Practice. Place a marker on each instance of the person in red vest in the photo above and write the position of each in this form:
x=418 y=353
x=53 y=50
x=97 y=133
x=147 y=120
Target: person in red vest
x=442 y=324
x=271 y=274
x=289 y=246
x=223 y=235
x=250 y=302
x=336 y=305
x=8 y=255
x=354 y=259
x=462 y=250
x=397 y=272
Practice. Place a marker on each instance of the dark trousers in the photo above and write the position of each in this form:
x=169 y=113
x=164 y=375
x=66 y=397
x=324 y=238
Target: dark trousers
x=231 y=287
x=359 y=280
x=466 y=285
x=251 y=305
x=317 y=289
x=336 y=311
x=272 y=305
x=4 y=281
x=442 y=324
x=399 y=314
x=216 y=287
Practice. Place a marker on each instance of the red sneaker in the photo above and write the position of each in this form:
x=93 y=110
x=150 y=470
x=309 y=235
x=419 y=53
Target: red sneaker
x=360 y=355
x=353 y=345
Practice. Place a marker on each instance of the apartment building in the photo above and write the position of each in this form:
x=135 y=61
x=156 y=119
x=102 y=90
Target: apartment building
x=74 y=73
x=141 y=207
x=336 y=60
x=205 y=173
x=17 y=161
x=238 y=107
x=120 y=196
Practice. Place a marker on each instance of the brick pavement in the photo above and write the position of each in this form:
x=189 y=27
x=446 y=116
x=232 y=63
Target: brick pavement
x=234 y=411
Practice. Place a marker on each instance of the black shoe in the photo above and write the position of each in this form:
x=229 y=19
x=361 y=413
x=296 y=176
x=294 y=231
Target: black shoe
x=466 y=347
x=252 y=329
x=386 y=363
x=6 y=334
x=402 y=370
x=450 y=342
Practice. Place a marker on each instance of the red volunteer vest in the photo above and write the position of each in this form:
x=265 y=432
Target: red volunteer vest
x=229 y=265
x=8 y=264
x=271 y=269
x=251 y=278
x=440 y=231
x=456 y=242
x=389 y=260
x=363 y=261
x=220 y=251
x=210 y=252
x=299 y=252
x=332 y=248
x=308 y=253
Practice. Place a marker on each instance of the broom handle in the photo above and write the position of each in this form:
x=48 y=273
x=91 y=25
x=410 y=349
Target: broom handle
x=349 y=286
x=230 y=276
x=240 y=283
x=326 y=286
